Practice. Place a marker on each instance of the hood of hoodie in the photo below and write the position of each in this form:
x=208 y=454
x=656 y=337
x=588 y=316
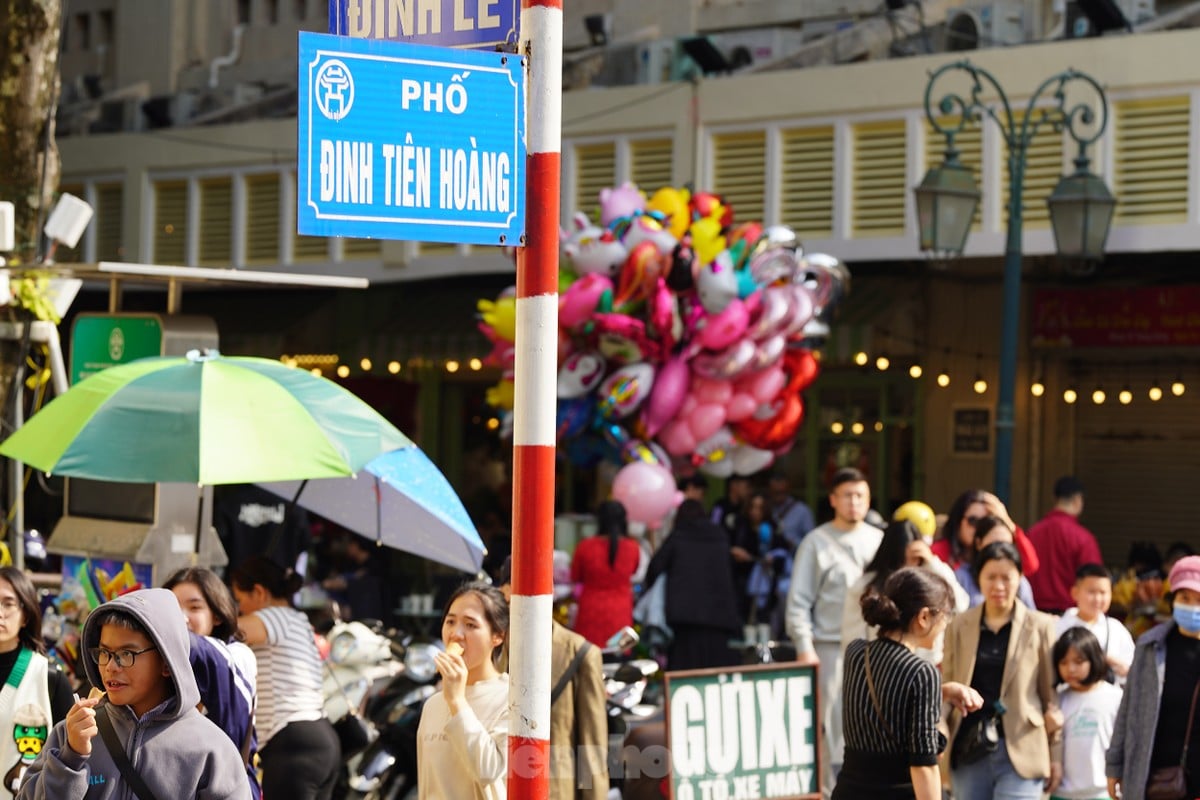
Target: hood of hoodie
x=158 y=612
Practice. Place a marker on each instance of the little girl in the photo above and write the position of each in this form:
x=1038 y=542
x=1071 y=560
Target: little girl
x=1089 y=706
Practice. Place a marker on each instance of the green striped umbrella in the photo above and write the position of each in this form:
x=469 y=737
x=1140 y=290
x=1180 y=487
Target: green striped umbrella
x=205 y=419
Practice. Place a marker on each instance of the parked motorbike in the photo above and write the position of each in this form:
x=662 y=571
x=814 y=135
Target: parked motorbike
x=387 y=768
x=361 y=661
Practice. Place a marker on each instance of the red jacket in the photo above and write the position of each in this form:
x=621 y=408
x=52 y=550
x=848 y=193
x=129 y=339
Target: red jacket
x=1063 y=545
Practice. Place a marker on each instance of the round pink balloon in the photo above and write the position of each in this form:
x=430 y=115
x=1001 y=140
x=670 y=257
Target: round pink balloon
x=741 y=406
x=647 y=491
x=711 y=390
x=763 y=386
x=676 y=437
x=706 y=419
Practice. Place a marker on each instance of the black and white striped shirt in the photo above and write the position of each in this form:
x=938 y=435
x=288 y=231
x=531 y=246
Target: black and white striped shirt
x=289 y=672
x=909 y=689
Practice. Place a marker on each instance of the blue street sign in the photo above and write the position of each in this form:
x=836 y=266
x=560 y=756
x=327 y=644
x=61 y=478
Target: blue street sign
x=403 y=141
x=471 y=24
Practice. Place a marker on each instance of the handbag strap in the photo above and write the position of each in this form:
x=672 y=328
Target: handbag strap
x=117 y=752
x=871 y=689
x=350 y=709
x=1187 y=737
x=572 y=668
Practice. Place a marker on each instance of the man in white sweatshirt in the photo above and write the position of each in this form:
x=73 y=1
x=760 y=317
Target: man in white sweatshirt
x=828 y=561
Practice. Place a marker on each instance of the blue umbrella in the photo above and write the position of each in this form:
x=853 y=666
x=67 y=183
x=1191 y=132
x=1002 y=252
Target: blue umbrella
x=399 y=499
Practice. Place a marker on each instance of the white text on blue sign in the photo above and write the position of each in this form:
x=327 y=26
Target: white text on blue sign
x=453 y=23
x=395 y=145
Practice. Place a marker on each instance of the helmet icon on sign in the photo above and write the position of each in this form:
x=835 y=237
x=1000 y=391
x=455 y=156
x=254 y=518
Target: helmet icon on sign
x=334 y=89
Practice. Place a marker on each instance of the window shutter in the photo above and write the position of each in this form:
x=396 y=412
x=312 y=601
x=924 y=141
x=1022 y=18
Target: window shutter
x=262 y=219
x=1043 y=170
x=170 y=222
x=806 y=185
x=216 y=222
x=650 y=163
x=739 y=172
x=1151 y=160
x=879 y=178
x=969 y=143
x=109 y=220
x=595 y=169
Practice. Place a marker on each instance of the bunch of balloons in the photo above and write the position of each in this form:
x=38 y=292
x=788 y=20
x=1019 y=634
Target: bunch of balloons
x=685 y=339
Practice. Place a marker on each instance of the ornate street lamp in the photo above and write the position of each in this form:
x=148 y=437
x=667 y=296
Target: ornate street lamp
x=1081 y=206
x=1081 y=211
x=946 y=203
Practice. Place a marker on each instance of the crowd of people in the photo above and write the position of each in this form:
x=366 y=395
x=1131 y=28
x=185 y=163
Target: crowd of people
x=1030 y=636
x=970 y=656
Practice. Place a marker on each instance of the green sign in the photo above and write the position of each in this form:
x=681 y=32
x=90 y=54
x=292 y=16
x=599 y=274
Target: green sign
x=743 y=733
x=100 y=341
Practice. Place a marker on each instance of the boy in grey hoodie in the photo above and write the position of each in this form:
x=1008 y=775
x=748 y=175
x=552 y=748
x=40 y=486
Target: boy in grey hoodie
x=137 y=651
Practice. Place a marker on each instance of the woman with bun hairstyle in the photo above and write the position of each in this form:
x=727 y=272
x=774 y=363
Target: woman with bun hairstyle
x=891 y=697
x=462 y=741
x=298 y=747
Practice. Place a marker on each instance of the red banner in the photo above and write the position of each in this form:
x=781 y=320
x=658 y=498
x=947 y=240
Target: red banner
x=1142 y=317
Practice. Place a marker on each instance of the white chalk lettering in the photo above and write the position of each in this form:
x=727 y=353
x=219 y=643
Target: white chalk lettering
x=771 y=703
x=800 y=719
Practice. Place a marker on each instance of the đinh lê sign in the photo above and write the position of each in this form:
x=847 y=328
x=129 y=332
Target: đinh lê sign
x=749 y=732
x=403 y=141
x=475 y=24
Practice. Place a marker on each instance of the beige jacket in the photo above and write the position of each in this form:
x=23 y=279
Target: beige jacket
x=1026 y=688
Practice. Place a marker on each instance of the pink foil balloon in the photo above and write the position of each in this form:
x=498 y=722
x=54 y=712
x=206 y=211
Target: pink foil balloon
x=667 y=396
x=709 y=390
x=741 y=406
x=725 y=328
x=763 y=386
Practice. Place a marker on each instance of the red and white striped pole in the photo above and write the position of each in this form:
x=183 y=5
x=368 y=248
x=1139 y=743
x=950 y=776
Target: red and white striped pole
x=534 y=411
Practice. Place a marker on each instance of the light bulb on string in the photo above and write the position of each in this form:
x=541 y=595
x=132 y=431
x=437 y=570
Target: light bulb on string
x=1125 y=396
x=879 y=426
x=882 y=363
x=1177 y=387
x=980 y=385
x=861 y=358
x=365 y=363
x=837 y=427
x=394 y=367
x=1155 y=392
x=857 y=429
x=1070 y=395
x=943 y=377
x=343 y=371
x=475 y=364
x=915 y=371
x=1037 y=388
x=1099 y=396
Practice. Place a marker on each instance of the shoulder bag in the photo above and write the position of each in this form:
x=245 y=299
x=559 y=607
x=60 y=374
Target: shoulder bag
x=117 y=751
x=1170 y=783
x=875 y=697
